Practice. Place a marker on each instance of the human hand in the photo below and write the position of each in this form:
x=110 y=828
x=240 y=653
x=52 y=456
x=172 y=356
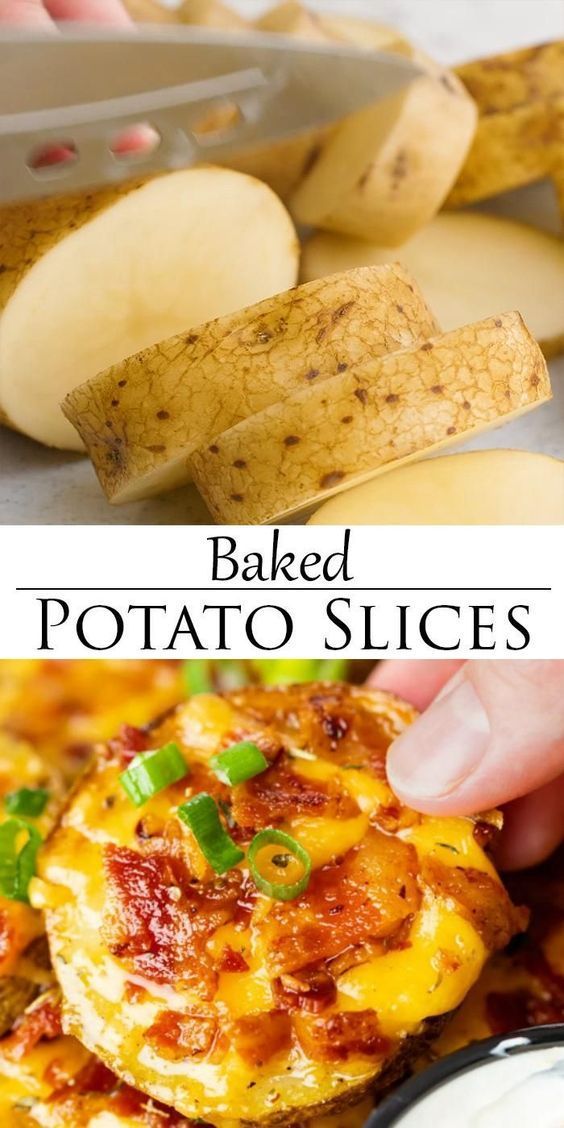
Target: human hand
x=491 y=734
x=42 y=13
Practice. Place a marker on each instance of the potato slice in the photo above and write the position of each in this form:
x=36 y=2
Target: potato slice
x=210 y=13
x=496 y=263
x=143 y=418
x=386 y=171
x=489 y=487
x=520 y=97
x=138 y=266
x=371 y=418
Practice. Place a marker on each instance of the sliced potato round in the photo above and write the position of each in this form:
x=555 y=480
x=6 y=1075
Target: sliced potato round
x=142 y=419
x=370 y=419
x=490 y=487
x=227 y=1003
x=387 y=169
x=520 y=132
x=138 y=266
x=496 y=263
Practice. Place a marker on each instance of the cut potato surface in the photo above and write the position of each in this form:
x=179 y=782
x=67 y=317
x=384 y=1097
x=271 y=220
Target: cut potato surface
x=210 y=13
x=370 y=419
x=491 y=487
x=387 y=169
x=520 y=132
x=139 y=266
x=149 y=11
x=226 y=1002
x=142 y=419
x=467 y=265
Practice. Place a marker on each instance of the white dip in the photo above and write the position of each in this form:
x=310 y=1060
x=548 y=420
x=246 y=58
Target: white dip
x=524 y=1090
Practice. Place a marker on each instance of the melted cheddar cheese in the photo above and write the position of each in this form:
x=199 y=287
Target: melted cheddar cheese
x=221 y=1002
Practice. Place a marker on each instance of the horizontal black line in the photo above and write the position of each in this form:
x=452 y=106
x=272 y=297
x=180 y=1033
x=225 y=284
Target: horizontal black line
x=253 y=590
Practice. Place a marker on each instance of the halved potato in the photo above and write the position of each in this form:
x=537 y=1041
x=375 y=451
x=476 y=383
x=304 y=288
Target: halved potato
x=520 y=132
x=490 y=487
x=227 y=1003
x=221 y=1001
x=210 y=13
x=372 y=418
x=141 y=420
x=149 y=11
x=497 y=264
x=86 y=281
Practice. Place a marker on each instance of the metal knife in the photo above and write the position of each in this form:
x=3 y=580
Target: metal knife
x=78 y=87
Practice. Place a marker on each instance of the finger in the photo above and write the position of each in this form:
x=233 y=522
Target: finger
x=495 y=733
x=30 y=13
x=533 y=827
x=415 y=680
x=89 y=11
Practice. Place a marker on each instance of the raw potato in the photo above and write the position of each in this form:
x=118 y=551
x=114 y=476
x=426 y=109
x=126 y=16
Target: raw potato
x=210 y=13
x=467 y=264
x=372 y=418
x=149 y=11
x=388 y=168
x=491 y=487
x=139 y=266
x=520 y=133
x=142 y=419
x=291 y=18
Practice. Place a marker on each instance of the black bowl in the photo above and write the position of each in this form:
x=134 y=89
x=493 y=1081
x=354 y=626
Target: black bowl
x=390 y=1112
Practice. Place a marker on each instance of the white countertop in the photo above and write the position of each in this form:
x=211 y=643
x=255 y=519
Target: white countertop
x=41 y=486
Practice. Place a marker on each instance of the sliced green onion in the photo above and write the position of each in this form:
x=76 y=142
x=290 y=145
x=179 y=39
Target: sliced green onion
x=17 y=858
x=202 y=816
x=29 y=801
x=279 y=862
x=197 y=676
x=152 y=771
x=292 y=671
x=238 y=763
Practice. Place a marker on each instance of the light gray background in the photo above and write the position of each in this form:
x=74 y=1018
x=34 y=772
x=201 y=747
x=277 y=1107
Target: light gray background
x=40 y=486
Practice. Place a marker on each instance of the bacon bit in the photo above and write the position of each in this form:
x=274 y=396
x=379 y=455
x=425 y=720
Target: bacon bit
x=245 y=903
x=481 y=899
x=515 y=1010
x=313 y=990
x=485 y=834
x=96 y=1090
x=95 y=1077
x=280 y=793
x=335 y=727
x=128 y=743
x=57 y=1073
x=230 y=960
x=134 y=992
x=41 y=1022
x=257 y=1037
x=177 y=1036
x=377 y=891
x=342 y=1035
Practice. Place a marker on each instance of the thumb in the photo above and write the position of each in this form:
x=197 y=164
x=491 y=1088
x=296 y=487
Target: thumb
x=495 y=732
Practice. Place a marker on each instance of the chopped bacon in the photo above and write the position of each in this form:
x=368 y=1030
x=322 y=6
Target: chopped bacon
x=230 y=960
x=481 y=899
x=129 y=742
x=41 y=1022
x=281 y=793
x=313 y=990
x=366 y=895
x=258 y=1037
x=178 y=1035
x=338 y=1036
x=96 y=1091
x=163 y=938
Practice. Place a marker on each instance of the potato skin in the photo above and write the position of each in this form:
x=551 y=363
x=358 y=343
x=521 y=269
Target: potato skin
x=373 y=850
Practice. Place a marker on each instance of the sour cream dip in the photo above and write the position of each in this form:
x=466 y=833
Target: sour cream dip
x=521 y=1090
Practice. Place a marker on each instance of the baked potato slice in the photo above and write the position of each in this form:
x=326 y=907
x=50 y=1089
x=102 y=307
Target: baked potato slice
x=253 y=993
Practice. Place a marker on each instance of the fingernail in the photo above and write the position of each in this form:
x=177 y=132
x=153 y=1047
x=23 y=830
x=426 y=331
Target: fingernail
x=443 y=747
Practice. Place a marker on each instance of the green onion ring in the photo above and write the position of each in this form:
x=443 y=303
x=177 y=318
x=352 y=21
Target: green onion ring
x=279 y=891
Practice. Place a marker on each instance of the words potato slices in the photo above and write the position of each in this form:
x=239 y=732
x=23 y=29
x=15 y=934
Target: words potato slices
x=520 y=132
x=507 y=265
x=218 y=995
x=100 y=276
x=369 y=419
x=142 y=419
